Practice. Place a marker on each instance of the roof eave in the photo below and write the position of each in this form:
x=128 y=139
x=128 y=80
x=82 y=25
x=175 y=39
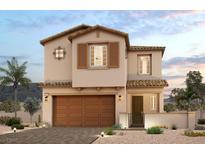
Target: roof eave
x=50 y=38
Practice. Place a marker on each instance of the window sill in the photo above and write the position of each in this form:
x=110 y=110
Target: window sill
x=98 y=68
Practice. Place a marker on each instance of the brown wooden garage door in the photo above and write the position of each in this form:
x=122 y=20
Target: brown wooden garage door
x=84 y=111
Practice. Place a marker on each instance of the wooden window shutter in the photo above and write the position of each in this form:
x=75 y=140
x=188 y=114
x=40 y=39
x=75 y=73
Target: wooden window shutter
x=139 y=65
x=114 y=54
x=148 y=65
x=82 y=56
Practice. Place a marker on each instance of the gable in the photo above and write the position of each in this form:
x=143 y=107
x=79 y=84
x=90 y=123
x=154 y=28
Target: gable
x=100 y=28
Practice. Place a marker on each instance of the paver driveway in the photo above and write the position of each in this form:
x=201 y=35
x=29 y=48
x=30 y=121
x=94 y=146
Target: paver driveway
x=52 y=136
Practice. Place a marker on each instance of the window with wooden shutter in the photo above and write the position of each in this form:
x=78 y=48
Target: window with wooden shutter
x=114 y=55
x=82 y=56
x=98 y=55
x=144 y=64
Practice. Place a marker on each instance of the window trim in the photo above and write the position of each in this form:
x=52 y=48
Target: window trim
x=89 y=58
x=139 y=55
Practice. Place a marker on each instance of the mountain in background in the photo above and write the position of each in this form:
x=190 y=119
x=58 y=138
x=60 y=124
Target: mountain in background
x=6 y=93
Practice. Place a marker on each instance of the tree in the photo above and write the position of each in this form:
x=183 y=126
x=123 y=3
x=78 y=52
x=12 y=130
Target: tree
x=8 y=106
x=31 y=105
x=170 y=107
x=14 y=75
x=194 y=83
x=184 y=99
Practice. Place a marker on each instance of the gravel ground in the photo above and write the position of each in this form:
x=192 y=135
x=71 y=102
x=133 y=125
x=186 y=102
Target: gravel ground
x=140 y=137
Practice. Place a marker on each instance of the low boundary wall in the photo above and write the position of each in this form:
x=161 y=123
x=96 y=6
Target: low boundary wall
x=182 y=120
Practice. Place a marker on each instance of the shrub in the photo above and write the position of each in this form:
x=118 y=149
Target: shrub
x=109 y=131
x=201 y=121
x=154 y=130
x=174 y=127
x=194 y=134
x=17 y=126
x=169 y=107
x=4 y=119
x=13 y=121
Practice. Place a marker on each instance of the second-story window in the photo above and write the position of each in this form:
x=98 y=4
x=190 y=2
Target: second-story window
x=144 y=64
x=98 y=55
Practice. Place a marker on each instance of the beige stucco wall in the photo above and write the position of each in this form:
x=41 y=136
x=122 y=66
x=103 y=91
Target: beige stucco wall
x=146 y=93
x=120 y=106
x=99 y=78
x=168 y=119
x=57 y=69
x=156 y=63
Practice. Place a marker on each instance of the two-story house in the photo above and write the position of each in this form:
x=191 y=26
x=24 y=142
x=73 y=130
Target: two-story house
x=93 y=76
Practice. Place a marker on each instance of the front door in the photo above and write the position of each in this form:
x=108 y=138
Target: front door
x=137 y=111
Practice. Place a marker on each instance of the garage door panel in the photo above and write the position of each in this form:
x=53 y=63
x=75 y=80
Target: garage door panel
x=84 y=111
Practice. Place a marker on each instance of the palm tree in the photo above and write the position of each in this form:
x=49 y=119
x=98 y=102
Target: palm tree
x=14 y=75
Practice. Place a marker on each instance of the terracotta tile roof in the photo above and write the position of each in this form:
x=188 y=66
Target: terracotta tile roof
x=146 y=48
x=66 y=32
x=84 y=29
x=130 y=84
x=146 y=83
x=80 y=33
x=66 y=84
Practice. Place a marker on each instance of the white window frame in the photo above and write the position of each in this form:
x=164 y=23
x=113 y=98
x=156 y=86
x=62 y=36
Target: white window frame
x=153 y=101
x=89 y=51
x=150 y=65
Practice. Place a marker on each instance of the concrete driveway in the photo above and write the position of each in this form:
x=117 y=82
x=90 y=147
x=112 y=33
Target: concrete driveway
x=52 y=136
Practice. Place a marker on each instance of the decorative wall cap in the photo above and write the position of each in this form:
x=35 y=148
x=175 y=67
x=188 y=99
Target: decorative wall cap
x=146 y=48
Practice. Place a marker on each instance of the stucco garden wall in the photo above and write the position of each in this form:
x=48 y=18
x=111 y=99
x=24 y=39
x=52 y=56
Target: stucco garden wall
x=168 y=119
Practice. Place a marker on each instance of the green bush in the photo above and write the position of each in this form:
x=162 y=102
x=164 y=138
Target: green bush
x=4 y=119
x=17 y=126
x=174 y=127
x=13 y=121
x=169 y=107
x=201 y=121
x=194 y=134
x=109 y=131
x=154 y=130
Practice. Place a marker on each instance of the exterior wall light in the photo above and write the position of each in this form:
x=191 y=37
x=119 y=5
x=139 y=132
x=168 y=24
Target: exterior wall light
x=102 y=134
x=59 y=53
x=120 y=98
x=45 y=97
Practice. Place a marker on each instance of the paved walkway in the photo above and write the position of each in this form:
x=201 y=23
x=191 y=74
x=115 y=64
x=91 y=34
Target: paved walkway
x=52 y=136
x=140 y=137
x=5 y=129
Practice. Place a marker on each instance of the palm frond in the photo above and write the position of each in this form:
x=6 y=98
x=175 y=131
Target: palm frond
x=5 y=81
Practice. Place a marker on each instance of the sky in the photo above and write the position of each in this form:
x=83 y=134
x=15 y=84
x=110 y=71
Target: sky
x=181 y=32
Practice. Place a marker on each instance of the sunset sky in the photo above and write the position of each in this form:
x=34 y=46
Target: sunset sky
x=182 y=32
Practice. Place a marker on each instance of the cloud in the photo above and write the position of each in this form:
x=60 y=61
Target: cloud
x=185 y=61
x=3 y=58
x=36 y=64
x=171 y=77
x=136 y=22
